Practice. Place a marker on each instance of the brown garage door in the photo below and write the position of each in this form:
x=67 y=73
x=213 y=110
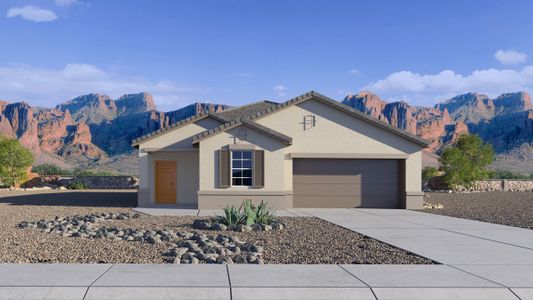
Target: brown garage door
x=346 y=183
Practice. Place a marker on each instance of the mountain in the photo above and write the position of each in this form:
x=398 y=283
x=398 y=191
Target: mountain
x=505 y=121
x=94 y=131
x=91 y=131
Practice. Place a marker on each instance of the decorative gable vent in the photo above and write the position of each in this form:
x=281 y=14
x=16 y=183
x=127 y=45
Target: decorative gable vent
x=309 y=122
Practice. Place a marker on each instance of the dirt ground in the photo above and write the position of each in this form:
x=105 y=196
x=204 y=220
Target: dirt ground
x=507 y=208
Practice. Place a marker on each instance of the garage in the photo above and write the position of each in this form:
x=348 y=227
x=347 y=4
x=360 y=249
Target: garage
x=368 y=183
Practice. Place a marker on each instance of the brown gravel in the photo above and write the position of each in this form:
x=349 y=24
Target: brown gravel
x=306 y=240
x=507 y=208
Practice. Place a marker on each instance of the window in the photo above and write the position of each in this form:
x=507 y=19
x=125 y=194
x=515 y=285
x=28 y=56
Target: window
x=241 y=168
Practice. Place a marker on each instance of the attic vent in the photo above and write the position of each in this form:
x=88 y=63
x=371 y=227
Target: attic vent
x=309 y=122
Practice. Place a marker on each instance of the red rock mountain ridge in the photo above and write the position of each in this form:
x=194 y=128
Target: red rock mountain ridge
x=95 y=131
x=505 y=121
x=89 y=130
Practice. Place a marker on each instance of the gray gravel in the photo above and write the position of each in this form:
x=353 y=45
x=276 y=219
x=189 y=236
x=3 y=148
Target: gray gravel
x=507 y=208
x=305 y=240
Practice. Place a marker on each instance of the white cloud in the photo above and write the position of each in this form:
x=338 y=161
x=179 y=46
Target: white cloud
x=510 y=57
x=280 y=89
x=65 y=3
x=430 y=88
x=31 y=13
x=49 y=87
x=354 y=72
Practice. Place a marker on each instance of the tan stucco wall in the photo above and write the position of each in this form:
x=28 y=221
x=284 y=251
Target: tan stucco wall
x=187 y=162
x=181 y=137
x=274 y=160
x=186 y=173
x=338 y=132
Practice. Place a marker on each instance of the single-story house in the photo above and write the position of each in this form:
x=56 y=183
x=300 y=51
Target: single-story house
x=310 y=151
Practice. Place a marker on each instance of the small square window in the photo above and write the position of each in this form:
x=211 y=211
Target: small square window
x=237 y=163
x=247 y=164
x=247 y=155
x=247 y=181
x=246 y=173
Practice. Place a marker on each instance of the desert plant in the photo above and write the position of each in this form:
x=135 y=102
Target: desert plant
x=504 y=174
x=466 y=161
x=429 y=172
x=248 y=212
x=232 y=216
x=15 y=161
x=49 y=169
x=263 y=215
x=77 y=185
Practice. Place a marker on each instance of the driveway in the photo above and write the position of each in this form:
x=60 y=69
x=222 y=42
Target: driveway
x=498 y=253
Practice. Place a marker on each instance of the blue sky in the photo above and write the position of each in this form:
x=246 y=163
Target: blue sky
x=235 y=52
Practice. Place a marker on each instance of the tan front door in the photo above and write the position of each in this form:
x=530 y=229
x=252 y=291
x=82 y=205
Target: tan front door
x=165 y=182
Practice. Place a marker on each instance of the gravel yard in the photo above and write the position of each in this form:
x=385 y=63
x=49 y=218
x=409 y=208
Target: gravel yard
x=306 y=240
x=507 y=208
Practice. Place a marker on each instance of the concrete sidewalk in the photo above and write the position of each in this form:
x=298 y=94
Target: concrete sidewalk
x=122 y=281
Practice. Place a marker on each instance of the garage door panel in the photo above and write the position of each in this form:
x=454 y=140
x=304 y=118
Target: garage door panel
x=343 y=202
x=343 y=189
x=308 y=179
x=346 y=183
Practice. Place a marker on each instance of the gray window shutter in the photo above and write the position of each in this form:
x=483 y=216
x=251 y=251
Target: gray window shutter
x=259 y=169
x=224 y=168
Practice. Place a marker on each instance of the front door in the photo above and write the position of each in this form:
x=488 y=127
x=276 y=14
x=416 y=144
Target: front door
x=165 y=182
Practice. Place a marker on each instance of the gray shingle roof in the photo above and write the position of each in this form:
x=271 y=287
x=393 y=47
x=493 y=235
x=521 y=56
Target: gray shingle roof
x=165 y=129
x=335 y=104
x=244 y=122
x=245 y=110
x=244 y=115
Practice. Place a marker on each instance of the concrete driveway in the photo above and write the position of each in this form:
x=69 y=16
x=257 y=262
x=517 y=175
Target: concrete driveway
x=497 y=253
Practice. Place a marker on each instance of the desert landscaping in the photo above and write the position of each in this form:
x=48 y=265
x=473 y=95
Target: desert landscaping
x=158 y=239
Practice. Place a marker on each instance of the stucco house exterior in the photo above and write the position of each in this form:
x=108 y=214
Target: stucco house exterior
x=310 y=151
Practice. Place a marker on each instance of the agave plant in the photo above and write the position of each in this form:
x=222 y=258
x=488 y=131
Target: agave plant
x=232 y=216
x=246 y=214
x=263 y=215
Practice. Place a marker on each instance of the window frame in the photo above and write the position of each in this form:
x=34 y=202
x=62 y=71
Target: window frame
x=242 y=168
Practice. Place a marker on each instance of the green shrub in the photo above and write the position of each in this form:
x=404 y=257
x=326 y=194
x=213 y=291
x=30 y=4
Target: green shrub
x=467 y=161
x=15 y=161
x=429 y=172
x=48 y=169
x=77 y=185
x=84 y=172
x=504 y=174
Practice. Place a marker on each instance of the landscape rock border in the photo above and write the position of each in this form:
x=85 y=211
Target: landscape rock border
x=183 y=247
x=214 y=225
